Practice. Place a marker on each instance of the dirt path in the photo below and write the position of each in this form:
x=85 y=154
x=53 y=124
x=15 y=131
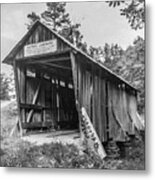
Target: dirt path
x=40 y=139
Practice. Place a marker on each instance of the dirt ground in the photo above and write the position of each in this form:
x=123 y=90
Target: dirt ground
x=64 y=137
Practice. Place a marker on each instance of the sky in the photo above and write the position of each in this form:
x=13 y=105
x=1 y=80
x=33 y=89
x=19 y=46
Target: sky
x=100 y=24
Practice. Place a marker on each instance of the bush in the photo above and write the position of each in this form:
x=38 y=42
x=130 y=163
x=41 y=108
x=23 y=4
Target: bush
x=136 y=158
x=54 y=155
x=4 y=90
x=8 y=119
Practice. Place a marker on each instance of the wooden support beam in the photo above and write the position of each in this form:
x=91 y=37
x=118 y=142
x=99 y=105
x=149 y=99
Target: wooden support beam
x=44 y=56
x=51 y=60
x=58 y=99
x=16 y=77
x=74 y=73
x=76 y=82
x=34 y=125
x=107 y=106
x=52 y=72
x=34 y=102
x=33 y=106
x=23 y=91
x=56 y=65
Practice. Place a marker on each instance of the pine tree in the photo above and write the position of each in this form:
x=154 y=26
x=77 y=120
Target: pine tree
x=57 y=17
x=32 y=17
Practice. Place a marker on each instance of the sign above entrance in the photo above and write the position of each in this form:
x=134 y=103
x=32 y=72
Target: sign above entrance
x=40 y=48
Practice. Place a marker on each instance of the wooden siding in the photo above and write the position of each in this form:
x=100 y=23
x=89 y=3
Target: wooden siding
x=89 y=89
x=40 y=34
x=106 y=103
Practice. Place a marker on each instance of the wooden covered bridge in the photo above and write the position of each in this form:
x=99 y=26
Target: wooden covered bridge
x=54 y=80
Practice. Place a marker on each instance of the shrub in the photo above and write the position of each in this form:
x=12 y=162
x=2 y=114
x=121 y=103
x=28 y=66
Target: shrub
x=58 y=155
x=54 y=155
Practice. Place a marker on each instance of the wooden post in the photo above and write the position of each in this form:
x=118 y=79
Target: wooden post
x=93 y=96
x=23 y=91
x=77 y=90
x=16 y=77
x=74 y=73
x=107 y=114
x=34 y=102
x=58 y=102
x=42 y=93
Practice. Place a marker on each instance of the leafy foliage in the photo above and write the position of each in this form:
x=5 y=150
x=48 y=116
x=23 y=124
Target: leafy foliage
x=4 y=91
x=112 y=56
x=133 y=10
x=114 y=3
x=129 y=63
x=57 y=155
x=32 y=17
x=56 y=17
x=135 y=158
x=54 y=155
x=8 y=118
x=96 y=53
x=135 y=71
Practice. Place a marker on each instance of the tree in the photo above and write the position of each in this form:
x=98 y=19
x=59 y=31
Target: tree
x=133 y=10
x=57 y=17
x=113 y=55
x=135 y=70
x=4 y=91
x=96 y=53
x=129 y=64
x=32 y=17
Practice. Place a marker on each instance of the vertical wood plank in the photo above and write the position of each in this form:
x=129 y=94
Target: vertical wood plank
x=77 y=82
x=16 y=68
x=36 y=95
x=74 y=73
x=107 y=107
x=58 y=99
x=97 y=105
x=103 y=109
x=93 y=95
x=99 y=99
x=23 y=91
x=79 y=94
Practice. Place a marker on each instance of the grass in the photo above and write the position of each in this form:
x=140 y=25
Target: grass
x=8 y=119
x=135 y=158
x=17 y=153
x=54 y=155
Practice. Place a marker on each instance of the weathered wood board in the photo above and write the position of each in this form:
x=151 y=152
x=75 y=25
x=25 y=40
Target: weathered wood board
x=40 y=48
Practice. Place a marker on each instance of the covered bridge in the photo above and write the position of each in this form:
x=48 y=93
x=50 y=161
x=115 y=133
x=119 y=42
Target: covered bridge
x=54 y=80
